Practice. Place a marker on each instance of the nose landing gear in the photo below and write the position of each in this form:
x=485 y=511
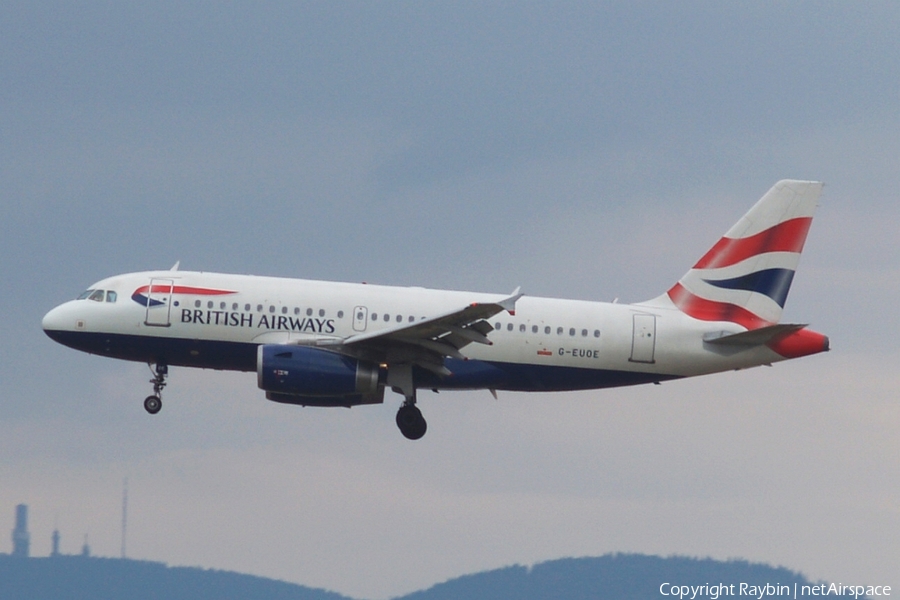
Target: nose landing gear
x=153 y=404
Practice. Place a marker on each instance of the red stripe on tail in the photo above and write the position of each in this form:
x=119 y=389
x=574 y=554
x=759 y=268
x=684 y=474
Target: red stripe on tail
x=710 y=310
x=788 y=236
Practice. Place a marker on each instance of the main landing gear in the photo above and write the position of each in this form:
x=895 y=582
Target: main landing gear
x=153 y=404
x=410 y=420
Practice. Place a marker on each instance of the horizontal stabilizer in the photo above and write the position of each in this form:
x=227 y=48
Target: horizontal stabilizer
x=754 y=337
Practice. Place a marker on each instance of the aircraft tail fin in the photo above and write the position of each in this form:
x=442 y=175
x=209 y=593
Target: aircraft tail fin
x=745 y=277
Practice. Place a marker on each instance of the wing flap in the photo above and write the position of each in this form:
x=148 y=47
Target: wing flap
x=438 y=347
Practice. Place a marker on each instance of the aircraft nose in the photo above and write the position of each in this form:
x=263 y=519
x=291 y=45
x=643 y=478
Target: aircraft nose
x=50 y=320
x=59 y=319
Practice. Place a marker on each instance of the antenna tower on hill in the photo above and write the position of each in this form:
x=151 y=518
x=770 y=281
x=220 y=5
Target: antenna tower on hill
x=124 y=513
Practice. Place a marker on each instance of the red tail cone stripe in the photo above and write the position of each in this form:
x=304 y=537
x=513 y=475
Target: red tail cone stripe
x=800 y=343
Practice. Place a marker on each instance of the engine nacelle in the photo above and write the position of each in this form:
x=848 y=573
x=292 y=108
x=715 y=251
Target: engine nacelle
x=315 y=377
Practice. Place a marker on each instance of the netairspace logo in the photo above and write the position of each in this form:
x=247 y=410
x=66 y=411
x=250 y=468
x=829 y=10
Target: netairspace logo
x=747 y=590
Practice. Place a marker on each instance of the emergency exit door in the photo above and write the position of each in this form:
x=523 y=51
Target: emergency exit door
x=360 y=318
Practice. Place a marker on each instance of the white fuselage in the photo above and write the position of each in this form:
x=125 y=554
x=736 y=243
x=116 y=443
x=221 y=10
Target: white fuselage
x=553 y=343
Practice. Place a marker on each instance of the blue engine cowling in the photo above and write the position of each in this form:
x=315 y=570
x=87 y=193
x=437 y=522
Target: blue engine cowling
x=315 y=377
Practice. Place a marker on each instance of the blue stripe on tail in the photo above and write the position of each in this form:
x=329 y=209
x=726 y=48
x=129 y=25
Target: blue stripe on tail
x=774 y=283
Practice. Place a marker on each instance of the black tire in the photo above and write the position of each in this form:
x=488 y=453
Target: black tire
x=152 y=404
x=419 y=430
x=411 y=422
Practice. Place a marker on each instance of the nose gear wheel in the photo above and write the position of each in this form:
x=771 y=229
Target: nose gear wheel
x=153 y=404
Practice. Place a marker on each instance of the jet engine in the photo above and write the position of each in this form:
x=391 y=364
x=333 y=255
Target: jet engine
x=316 y=377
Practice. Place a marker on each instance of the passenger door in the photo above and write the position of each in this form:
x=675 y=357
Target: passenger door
x=643 y=340
x=159 y=302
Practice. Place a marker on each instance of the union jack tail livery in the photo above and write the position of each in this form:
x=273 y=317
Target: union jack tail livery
x=745 y=277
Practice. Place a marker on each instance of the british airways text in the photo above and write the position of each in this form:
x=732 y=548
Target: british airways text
x=225 y=318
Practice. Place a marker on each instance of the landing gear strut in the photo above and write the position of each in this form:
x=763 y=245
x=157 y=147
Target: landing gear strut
x=409 y=418
x=153 y=404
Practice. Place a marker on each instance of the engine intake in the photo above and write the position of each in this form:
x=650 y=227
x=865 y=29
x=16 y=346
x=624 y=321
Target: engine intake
x=315 y=377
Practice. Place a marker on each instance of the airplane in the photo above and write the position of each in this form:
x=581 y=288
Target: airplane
x=330 y=344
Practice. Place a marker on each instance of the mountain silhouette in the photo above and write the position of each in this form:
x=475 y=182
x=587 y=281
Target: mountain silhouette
x=614 y=576
x=91 y=578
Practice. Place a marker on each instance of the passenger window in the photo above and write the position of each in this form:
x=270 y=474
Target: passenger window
x=110 y=296
x=387 y=317
x=498 y=325
x=399 y=318
x=571 y=331
x=271 y=308
x=509 y=326
x=321 y=312
x=296 y=311
x=259 y=308
x=308 y=312
x=97 y=296
x=522 y=327
x=284 y=310
x=247 y=307
x=411 y=318
x=534 y=329
x=596 y=333
x=234 y=306
x=559 y=330
x=374 y=316
x=547 y=330
x=340 y=314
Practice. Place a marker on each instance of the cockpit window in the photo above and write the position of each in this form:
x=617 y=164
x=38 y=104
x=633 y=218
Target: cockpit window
x=98 y=295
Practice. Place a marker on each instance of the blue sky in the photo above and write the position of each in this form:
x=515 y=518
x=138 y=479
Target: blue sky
x=576 y=150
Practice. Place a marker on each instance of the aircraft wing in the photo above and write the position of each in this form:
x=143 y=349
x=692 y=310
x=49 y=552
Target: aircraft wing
x=428 y=342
